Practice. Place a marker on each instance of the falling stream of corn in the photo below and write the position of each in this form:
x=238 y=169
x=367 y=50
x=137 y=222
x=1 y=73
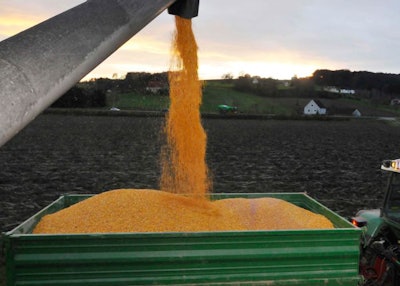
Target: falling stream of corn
x=184 y=169
x=182 y=204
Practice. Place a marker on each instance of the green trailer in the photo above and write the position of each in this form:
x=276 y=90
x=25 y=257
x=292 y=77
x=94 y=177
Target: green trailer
x=289 y=257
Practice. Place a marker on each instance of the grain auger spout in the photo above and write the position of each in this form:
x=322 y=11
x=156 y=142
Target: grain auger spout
x=40 y=64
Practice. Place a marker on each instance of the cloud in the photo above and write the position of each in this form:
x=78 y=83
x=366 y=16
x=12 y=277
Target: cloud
x=354 y=34
x=257 y=36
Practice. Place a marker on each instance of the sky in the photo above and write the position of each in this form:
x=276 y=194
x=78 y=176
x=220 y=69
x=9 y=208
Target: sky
x=266 y=38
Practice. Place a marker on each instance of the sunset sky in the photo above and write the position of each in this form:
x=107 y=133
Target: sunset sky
x=277 y=39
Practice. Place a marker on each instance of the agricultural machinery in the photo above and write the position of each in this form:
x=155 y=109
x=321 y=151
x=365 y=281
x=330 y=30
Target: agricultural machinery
x=227 y=109
x=380 y=249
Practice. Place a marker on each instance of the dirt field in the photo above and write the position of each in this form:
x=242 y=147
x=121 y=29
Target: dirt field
x=336 y=162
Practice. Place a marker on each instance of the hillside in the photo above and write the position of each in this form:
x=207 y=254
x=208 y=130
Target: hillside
x=218 y=92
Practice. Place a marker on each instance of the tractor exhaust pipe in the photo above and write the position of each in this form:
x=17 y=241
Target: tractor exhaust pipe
x=40 y=64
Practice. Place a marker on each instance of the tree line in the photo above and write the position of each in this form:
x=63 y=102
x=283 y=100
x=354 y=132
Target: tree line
x=269 y=87
x=78 y=97
x=94 y=93
x=358 y=80
x=365 y=84
x=377 y=86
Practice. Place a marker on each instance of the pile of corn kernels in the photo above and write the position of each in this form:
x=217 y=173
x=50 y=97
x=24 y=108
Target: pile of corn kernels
x=133 y=210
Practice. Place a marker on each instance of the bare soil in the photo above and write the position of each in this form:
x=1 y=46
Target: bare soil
x=335 y=162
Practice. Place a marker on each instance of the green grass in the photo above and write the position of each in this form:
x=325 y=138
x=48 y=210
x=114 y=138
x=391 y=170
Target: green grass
x=216 y=93
x=134 y=101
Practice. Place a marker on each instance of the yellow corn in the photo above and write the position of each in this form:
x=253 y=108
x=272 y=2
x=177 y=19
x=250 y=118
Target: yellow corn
x=184 y=167
x=130 y=210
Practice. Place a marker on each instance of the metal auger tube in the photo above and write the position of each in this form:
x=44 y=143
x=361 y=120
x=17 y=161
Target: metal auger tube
x=40 y=64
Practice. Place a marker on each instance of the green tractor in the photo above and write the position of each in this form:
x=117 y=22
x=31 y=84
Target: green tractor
x=380 y=244
x=227 y=109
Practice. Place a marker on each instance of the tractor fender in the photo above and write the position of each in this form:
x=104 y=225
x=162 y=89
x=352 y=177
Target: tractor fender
x=374 y=223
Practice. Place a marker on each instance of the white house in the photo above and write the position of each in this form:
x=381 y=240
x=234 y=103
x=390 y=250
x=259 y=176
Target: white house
x=395 y=101
x=347 y=91
x=331 y=89
x=335 y=89
x=314 y=107
x=155 y=86
x=356 y=113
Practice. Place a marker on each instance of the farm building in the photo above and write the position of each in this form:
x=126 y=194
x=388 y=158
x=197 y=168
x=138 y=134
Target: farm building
x=356 y=113
x=314 y=107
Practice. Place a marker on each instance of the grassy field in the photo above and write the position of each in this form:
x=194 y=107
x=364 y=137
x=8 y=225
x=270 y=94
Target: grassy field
x=218 y=92
x=134 y=101
x=214 y=94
